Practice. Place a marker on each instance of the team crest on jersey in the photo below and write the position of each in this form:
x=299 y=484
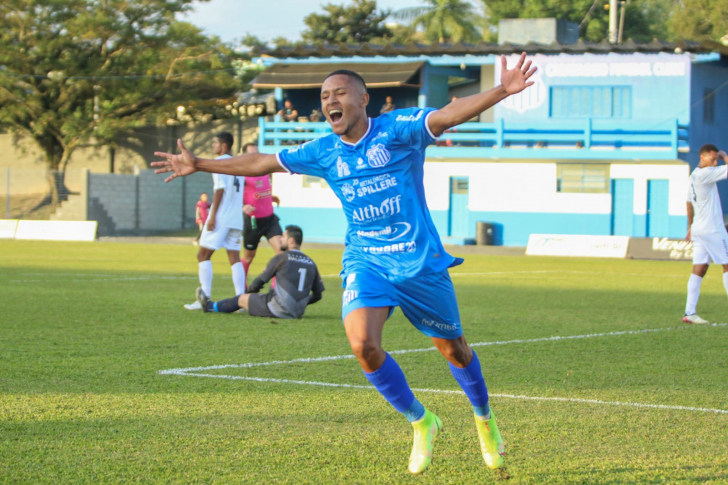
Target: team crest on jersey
x=378 y=156
x=348 y=191
x=342 y=168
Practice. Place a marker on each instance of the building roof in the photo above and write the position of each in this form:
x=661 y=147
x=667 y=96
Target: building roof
x=299 y=76
x=484 y=48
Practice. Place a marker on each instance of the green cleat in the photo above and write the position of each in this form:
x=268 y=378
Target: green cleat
x=491 y=441
x=426 y=430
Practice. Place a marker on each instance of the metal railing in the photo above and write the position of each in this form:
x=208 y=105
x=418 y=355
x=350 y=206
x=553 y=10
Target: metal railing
x=570 y=139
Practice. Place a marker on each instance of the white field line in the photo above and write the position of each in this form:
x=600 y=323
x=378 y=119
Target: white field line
x=195 y=371
x=444 y=391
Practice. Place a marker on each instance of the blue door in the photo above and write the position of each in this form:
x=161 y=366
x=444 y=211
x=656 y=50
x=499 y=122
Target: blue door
x=459 y=213
x=622 y=207
x=658 y=219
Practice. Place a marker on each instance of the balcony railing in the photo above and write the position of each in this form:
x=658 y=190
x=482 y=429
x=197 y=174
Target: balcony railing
x=563 y=139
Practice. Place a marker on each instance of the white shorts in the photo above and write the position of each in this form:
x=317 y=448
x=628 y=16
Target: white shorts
x=221 y=237
x=712 y=247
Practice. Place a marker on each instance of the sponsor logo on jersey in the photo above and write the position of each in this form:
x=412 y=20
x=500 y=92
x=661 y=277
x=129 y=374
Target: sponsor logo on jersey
x=381 y=134
x=300 y=258
x=378 y=156
x=372 y=212
x=342 y=168
x=360 y=164
x=409 y=117
x=403 y=247
x=348 y=192
x=376 y=184
x=298 y=147
x=258 y=183
x=390 y=233
x=262 y=194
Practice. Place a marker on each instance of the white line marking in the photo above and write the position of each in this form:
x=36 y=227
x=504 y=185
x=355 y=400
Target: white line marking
x=428 y=349
x=445 y=391
x=193 y=371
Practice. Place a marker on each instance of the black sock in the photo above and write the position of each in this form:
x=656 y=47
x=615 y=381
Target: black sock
x=226 y=306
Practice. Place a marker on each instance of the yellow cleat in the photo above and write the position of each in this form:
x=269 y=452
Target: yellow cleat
x=491 y=441
x=426 y=430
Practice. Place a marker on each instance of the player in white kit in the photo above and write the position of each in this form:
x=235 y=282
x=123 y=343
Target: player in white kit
x=705 y=225
x=224 y=225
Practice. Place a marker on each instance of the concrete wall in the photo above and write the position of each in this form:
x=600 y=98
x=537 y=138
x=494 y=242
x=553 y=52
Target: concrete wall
x=139 y=204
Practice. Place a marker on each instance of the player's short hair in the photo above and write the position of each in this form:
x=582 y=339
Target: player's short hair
x=251 y=144
x=225 y=137
x=296 y=233
x=354 y=75
x=707 y=148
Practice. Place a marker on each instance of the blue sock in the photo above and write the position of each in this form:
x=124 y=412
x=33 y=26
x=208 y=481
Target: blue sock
x=471 y=380
x=389 y=380
x=224 y=306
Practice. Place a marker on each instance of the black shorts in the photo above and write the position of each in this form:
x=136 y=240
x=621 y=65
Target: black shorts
x=265 y=226
x=258 y=305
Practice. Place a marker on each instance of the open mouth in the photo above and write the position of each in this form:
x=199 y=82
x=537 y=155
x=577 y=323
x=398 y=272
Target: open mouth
x=335 y=115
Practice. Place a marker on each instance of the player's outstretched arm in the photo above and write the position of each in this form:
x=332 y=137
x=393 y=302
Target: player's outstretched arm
x=462 y=109
x=186 y=163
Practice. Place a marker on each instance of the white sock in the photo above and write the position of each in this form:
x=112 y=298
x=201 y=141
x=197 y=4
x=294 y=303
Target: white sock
x=205 y=272
x=725 y=281
x=238 y=278
x=693 y=293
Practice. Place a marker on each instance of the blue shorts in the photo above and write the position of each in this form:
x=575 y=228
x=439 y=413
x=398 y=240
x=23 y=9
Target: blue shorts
x=428 y=301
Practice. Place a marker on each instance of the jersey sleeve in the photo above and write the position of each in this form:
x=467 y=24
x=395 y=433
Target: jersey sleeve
x=716 y=174
x=303 y=159
x=218 y=181
x=411 y=128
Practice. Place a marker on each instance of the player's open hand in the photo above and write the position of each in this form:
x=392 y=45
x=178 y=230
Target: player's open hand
x=517 y=79
x=182 y=164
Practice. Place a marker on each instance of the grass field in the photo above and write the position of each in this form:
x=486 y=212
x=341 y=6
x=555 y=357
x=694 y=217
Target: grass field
x=86 y=329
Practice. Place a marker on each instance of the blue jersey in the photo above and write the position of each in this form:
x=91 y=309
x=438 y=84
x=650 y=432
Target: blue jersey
x=379 y=181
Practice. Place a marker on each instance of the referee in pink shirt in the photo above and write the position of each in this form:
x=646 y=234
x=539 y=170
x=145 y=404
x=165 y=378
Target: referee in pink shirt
x=258 y=217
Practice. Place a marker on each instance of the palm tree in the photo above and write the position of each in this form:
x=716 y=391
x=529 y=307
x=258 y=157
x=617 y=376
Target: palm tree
x=443 y=20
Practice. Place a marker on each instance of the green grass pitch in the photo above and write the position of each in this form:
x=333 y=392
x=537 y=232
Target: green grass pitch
x=86 y=328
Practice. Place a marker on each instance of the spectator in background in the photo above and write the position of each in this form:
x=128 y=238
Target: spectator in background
x=387 y=106
x=316 y=115
x=289 y=112
x=202 y=209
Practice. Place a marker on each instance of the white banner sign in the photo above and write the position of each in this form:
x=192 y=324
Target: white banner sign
x=577 y=245
x=57 y=230
x=7 y=228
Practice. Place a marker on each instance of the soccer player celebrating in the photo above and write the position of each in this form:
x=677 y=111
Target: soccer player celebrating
x=299 y=285
x=393 y=256
x=224 y=223
x=705 y=225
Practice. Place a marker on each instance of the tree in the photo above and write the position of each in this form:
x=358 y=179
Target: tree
x=358 y=23
x=74 y=70
x=644 y=19
x=699 y=19
x=444 y=20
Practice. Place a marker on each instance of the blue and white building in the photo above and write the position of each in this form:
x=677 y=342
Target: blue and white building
x=602 y=144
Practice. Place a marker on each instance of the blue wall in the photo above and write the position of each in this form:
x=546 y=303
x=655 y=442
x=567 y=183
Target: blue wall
x=512 y=228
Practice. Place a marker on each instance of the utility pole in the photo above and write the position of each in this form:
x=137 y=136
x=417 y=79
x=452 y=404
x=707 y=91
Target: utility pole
x=623 y=6
x=612 y=35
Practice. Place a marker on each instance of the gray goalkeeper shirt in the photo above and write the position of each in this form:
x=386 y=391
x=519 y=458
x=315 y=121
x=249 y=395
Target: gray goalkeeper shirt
x=296 y=277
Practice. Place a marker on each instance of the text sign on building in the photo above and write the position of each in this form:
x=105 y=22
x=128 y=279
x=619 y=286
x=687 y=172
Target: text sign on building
x=577 y=245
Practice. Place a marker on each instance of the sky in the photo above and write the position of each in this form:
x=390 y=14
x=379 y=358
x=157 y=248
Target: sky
x=267 y=19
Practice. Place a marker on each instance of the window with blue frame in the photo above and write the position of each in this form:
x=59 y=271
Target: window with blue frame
x=591 y=101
